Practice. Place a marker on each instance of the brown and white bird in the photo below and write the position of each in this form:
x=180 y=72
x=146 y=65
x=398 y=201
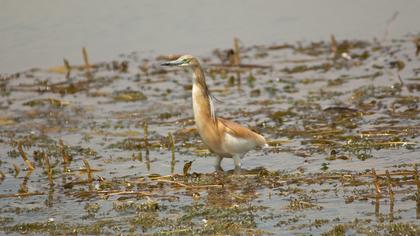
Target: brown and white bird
x=225 y=138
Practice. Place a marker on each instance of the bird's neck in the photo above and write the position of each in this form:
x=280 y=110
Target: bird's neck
x=203 y=111
x=199 y=79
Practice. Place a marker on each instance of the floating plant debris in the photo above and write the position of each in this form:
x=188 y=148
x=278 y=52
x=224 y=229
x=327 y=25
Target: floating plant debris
x=128 y=96
x=111 y=148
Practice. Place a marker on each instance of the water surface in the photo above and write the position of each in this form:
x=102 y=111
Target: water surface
x=41 y=33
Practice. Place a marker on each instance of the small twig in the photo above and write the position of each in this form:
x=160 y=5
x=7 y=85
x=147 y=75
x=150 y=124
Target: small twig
x=24 y=185
x=377 y=205
x=416 y=178
x=17 y=169
x=66 y=158
x=388 y=24
x=146 y=133
x=172 y=146
x=188 y=186
x=2 y=176
x=25 y=159
x=48 y=169
x=87 y=64
x=88 y=170
x=162 y=177
x=376 y=182
x=140 y=156
x=389 y=182
x=391 y=196
x=236 y=50
x=118 y=192
x=86 y=59
x=23 y=188
x=280 y=46
x=85 y=170
x=416 y=42
x=172 y=182
x=187 y=168
x=111 y=193
x=391 y=174
x=20 y=194
x=400 y=79
x=68 y=67
x=71 y=184
x=378 y=192
x=334 y=45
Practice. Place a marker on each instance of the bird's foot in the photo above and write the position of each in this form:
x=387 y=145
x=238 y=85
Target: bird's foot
x=237 y=162
x=238 y=170
x=218 y=169
x=217 y=164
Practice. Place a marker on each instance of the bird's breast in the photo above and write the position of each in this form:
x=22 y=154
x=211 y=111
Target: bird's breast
x=205 y=124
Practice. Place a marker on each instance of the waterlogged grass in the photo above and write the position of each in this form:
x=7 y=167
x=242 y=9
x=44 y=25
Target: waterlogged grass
x=111 y=148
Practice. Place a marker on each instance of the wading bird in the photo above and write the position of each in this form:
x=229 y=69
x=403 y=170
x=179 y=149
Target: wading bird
x=225 y=138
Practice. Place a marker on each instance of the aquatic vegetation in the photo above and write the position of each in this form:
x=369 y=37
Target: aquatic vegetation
x=111 y=148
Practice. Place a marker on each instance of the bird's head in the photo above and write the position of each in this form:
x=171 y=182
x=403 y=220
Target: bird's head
x=184 y=61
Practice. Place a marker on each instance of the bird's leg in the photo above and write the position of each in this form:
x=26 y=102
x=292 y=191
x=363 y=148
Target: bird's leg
x=237 y=161
x=217 y=162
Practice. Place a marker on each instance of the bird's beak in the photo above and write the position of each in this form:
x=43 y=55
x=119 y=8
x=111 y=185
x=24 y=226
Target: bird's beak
x=172 y=63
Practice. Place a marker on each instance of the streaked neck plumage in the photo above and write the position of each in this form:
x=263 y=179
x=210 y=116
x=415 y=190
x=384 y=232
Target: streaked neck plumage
x=202 y=103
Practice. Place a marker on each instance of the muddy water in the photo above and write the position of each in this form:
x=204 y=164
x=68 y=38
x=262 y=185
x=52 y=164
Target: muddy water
x=41 y=33
x=332 y=112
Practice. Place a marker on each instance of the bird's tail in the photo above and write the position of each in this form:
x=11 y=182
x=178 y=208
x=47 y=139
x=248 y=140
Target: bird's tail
x=262 y=142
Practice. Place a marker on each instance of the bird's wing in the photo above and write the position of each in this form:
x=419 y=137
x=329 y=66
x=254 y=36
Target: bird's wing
x=239 y=131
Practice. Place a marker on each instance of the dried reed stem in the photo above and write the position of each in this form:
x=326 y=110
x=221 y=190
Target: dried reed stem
x=416 y=178
x=376 y=182
x=389 y=182
x=68 y=67
x=25 y=159
x=172 y=146
x=66 y=157
x=146 y=134
x=16 y=168
x=48 y=168
x=88 y=170
x=236 y=49
x=86 y=59
x=20 y=194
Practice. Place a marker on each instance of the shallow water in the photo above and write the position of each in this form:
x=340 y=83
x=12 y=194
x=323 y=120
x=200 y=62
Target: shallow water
x=41 y=33
x=329 y=121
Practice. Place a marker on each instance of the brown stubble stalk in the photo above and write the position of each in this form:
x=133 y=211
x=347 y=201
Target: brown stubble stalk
x=66 y=157
x=376 y=182
x=391 y=196
x=2 y=176
x=25 y=159
x=172 y=147
x=88 y=170
x=68 y=67
x=48 y=169
x=417 y=181
x=236 y=50
x=146 y=133
x=377 y=190
x=87 y=64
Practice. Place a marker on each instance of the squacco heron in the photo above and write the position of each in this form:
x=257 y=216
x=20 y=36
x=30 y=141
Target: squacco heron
x=225 y=138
